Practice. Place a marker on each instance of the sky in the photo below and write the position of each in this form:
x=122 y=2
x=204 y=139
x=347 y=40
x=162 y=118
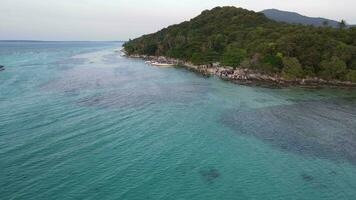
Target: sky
x=124 y=19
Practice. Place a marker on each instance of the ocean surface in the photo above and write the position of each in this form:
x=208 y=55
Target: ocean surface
x=80 y=121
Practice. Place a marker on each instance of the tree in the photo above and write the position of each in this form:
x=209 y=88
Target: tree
x=197 y=58
x=351 y=76
x=272 y=63
x=233 y=56
x=216 y=42
x=353 y=65
x=344 y=52
x=342 y=24
x=325 y=23
x=210 y=56
x=150 y=49
x=292 y=68
x=308 y=71
x=335 y=68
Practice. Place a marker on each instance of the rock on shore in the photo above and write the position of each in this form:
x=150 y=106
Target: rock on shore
x=247 y=76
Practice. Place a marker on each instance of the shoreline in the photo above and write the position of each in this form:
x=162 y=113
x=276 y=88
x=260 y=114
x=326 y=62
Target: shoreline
x=244 y=76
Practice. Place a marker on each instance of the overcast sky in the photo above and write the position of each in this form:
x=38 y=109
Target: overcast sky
x=124 y=19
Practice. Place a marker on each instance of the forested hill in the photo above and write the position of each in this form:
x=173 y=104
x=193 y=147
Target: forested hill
x=241 y=38
x=293 y=17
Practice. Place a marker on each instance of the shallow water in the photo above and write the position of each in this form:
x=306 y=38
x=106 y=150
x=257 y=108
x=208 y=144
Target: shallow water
x=78 y=121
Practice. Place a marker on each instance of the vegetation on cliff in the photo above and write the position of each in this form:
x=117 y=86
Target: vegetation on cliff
x=241 y=38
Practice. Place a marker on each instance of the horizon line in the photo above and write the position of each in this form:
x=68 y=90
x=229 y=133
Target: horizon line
x=1 y=40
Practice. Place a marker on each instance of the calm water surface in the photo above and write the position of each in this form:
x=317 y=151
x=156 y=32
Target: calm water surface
x=79 y=121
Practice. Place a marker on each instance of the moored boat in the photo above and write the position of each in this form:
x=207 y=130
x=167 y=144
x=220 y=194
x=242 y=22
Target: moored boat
x=162 y=64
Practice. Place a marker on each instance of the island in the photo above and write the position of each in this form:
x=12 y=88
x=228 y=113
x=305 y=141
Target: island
x=247 y=47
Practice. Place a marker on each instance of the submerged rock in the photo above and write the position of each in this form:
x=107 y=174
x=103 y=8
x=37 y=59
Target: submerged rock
x=2 y=68
x=322 y=129
x=210 y=175
x=307 y=177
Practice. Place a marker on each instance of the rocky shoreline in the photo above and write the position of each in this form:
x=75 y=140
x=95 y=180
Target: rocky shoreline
x=247 y=76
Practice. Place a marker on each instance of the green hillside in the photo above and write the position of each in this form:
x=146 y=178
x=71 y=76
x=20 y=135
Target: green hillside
x=296 y=18
x=241 y=38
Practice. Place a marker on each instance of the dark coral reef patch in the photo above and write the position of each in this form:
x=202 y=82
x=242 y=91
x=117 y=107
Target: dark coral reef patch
x=324 y=129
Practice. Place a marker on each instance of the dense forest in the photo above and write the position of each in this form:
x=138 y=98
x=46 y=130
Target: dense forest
x=241 y=38
x=296 y=18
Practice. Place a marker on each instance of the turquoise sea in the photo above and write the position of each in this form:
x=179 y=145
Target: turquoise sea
x=79 y=121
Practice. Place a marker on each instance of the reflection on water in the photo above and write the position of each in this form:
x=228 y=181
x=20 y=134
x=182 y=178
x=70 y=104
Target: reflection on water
x=324 y=129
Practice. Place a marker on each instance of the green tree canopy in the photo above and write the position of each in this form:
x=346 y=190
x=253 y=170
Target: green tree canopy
x=342 y=24
x=233 y=56
x=351 y=76
x=292 y=68
x=334 y=68
x=232 y=35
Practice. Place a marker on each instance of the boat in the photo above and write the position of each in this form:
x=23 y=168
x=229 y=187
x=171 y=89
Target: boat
x=158 y=64
x=2 y=68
